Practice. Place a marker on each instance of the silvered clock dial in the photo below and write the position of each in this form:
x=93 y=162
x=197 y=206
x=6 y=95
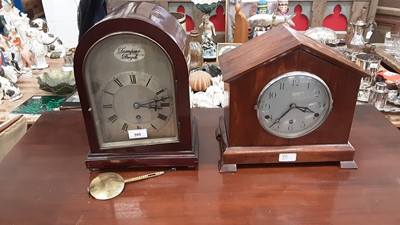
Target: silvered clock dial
x=293 y=104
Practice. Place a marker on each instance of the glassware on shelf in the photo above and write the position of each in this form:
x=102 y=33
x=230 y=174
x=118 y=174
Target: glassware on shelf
x=388 y=43
x=396 y=46
x=195 y=50
x=379 y=95
x=370 y=63
x=392 y=44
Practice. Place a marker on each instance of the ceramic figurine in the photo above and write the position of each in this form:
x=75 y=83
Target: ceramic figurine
x=10 y=89
x=15 y=41
x=54 y=46
x=15 y=24
x=283 y=7
x=208 y=45
x=262 y=7
x=69 y=58
x=8 y=62
x=13 y=18
x=38 y=50
x=10 y=73
x=208 y=29
x=263 y=22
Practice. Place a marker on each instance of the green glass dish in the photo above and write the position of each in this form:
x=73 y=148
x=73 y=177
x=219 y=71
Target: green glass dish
x=39 y=104
x=57 y=81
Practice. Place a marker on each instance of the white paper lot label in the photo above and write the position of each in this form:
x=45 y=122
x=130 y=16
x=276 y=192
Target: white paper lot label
x=287 y=157
x=137 y=134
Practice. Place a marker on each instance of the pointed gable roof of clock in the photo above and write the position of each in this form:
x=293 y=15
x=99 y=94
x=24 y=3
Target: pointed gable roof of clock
x=274 y=44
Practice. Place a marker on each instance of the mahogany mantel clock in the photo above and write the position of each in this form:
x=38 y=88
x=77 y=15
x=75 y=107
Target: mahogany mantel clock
x=298 y=105
x=132 y=80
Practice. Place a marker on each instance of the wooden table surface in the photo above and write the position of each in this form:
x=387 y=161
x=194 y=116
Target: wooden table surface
x=44 y=181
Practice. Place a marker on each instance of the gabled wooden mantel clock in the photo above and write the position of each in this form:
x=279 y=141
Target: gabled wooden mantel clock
x=132 y=79
x=289 y=99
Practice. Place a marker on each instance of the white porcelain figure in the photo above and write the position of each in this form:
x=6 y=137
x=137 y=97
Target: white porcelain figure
x=38 y=50
x=53 y=44
x=14 y=19
x=16 y=23
x=10 y=73
x=10 y=90
x=22 y=54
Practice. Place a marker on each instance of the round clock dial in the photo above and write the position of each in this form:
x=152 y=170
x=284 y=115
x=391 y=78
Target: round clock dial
x=149 y=103
x=294 y=104
x=131 y=89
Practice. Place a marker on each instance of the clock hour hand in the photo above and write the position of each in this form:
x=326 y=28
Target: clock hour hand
x=150 y=104
x=304 y=109
x=292 y=106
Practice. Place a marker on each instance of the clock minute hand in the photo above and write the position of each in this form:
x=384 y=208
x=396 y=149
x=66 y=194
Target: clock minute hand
x=148 y=102
x=292 y=106
x=153 y=101
x=149 y=105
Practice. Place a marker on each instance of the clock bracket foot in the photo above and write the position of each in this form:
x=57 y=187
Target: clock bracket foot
x=226 y=168
x=348 y=165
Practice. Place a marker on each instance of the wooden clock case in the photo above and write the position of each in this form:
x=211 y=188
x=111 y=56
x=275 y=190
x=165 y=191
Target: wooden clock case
x=156 y=23
x=248 y=68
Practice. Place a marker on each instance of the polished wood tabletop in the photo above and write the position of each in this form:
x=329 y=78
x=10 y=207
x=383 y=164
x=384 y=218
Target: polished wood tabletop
x=44 y=181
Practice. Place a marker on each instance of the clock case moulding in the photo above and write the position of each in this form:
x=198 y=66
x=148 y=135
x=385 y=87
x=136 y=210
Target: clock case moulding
x=248 y=68
x=156 y=23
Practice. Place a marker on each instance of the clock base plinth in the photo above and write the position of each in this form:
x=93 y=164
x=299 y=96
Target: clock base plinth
x=231 y=156
x=94 y=163
x=188 y=158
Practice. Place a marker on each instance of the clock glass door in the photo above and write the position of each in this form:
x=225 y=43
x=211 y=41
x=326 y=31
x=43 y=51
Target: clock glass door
x=131 y=89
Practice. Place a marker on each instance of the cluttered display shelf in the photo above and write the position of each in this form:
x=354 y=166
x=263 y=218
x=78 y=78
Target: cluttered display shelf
x=33 y=62
x=199 y=99
x=29 y=87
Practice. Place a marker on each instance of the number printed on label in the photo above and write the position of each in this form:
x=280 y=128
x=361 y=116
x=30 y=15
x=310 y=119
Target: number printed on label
x=138 y=133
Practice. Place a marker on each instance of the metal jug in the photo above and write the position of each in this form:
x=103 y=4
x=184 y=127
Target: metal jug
x=356 y=34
